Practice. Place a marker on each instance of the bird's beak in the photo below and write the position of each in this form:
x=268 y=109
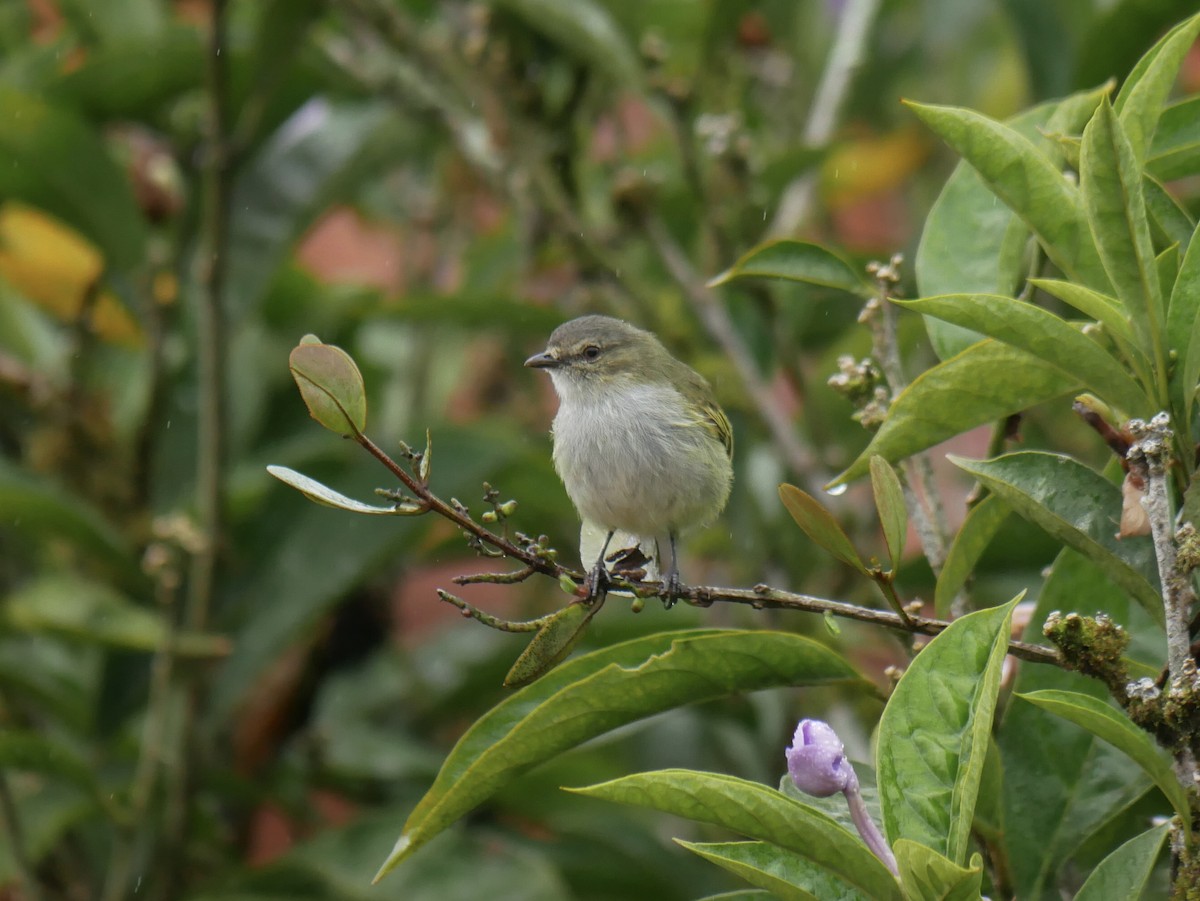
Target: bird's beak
x=542 y=361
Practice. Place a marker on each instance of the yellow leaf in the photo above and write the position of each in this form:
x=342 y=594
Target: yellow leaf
x=56 y=268
x=872 y=164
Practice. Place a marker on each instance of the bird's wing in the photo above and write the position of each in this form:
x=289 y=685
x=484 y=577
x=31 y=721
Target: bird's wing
x=715 y=420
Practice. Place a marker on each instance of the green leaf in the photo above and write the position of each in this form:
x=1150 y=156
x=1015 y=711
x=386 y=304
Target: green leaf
x=552 y=643
x=820 y=525
x=1172 y=223
x=1110 y=181
x=52 y=159
x=1100 y=307
x=326 y=496
x=935 y=731
x=784 y=873
x=987 y=381
x=286 y=184
x=1080 y=508
x=1051 y=339
x=797 y=261
x=332 y=387
x=976 y=533
x=583 y=28
x=598 y=692
x=1103 y=721
x=1065 y=785
x=1140 y=101
x=91 y=612
x=988 y=257
x=759 y=812
x=1125 y=872
x=1175 y=152
x=928 y=876
x=30 y=751
x=1027 y=181
x=893 y=514
x=1183 y=326
x=1167 y=264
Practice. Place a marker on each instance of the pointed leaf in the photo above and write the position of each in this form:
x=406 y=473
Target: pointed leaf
x=1100 y=307
x=893 y=514
x=1079 y=507
x=1167 y=264
x=929 y=876
x=976 y=533
x=819 y=525
x=1171 y=221
x=1144 y=92
x=1027 y=181
x=332 y=387
x=1104 y=721
x=1175 y=152
x=1039 y=332
x=797 y=261
x=1125 y=872
x=988 y=257
x=935 y=732
x=552 y=643
x=759 y=812
x=600 y=691
x=326 y=496
x=1110 y=181
x=784 y=873
x=986 y=382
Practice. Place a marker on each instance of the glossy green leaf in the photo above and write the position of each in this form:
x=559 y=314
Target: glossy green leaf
x=820 y=525
x=784 y=873
x=332 y=387
x=758 y=812
x=93 y=613
x=1140 y=101
x=1027 y=181
x=1080 y=508
x=1062 y=783
x=1175 y=152
x=1104 y=721
x=326 y=496
x=1110 y=181
x=583 y=28
x=1170 y=221
x=889 y=502
x=929 y=876
x=1100 y=307
x=598 y=692
x=1125 y=872
x=285 y=185
x=552 y=643
x=52 y=159
x=1183 y=325
x=988 y=257
x=935 y=731
x=976 y=533
x=986 y=382
x=798 y=261
x=1051 y=339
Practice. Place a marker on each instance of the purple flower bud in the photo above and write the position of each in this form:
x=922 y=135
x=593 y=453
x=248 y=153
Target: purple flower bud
x=817 y=760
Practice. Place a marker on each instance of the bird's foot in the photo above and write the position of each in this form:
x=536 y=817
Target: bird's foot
x=596 y=585
x=674 y=587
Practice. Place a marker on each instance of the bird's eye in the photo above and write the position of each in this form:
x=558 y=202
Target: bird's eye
x=591 y=352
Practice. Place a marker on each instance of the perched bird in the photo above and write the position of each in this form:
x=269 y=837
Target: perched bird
x=639 y=440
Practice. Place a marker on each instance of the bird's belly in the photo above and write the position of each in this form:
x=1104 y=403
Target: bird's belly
x=643 y=474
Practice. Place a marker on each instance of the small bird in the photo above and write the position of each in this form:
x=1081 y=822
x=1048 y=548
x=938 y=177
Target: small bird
x=640 y=443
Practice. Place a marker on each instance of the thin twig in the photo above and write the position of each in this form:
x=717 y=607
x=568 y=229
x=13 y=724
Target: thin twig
x=844 y=59
x=26 y=872
x=719 y=324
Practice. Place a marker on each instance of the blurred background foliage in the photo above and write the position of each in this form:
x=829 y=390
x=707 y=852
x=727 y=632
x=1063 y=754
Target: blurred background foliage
x=210 y=687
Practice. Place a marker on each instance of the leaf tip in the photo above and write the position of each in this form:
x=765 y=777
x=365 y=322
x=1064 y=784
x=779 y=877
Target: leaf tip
x=720 y=278
x=399 y=851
